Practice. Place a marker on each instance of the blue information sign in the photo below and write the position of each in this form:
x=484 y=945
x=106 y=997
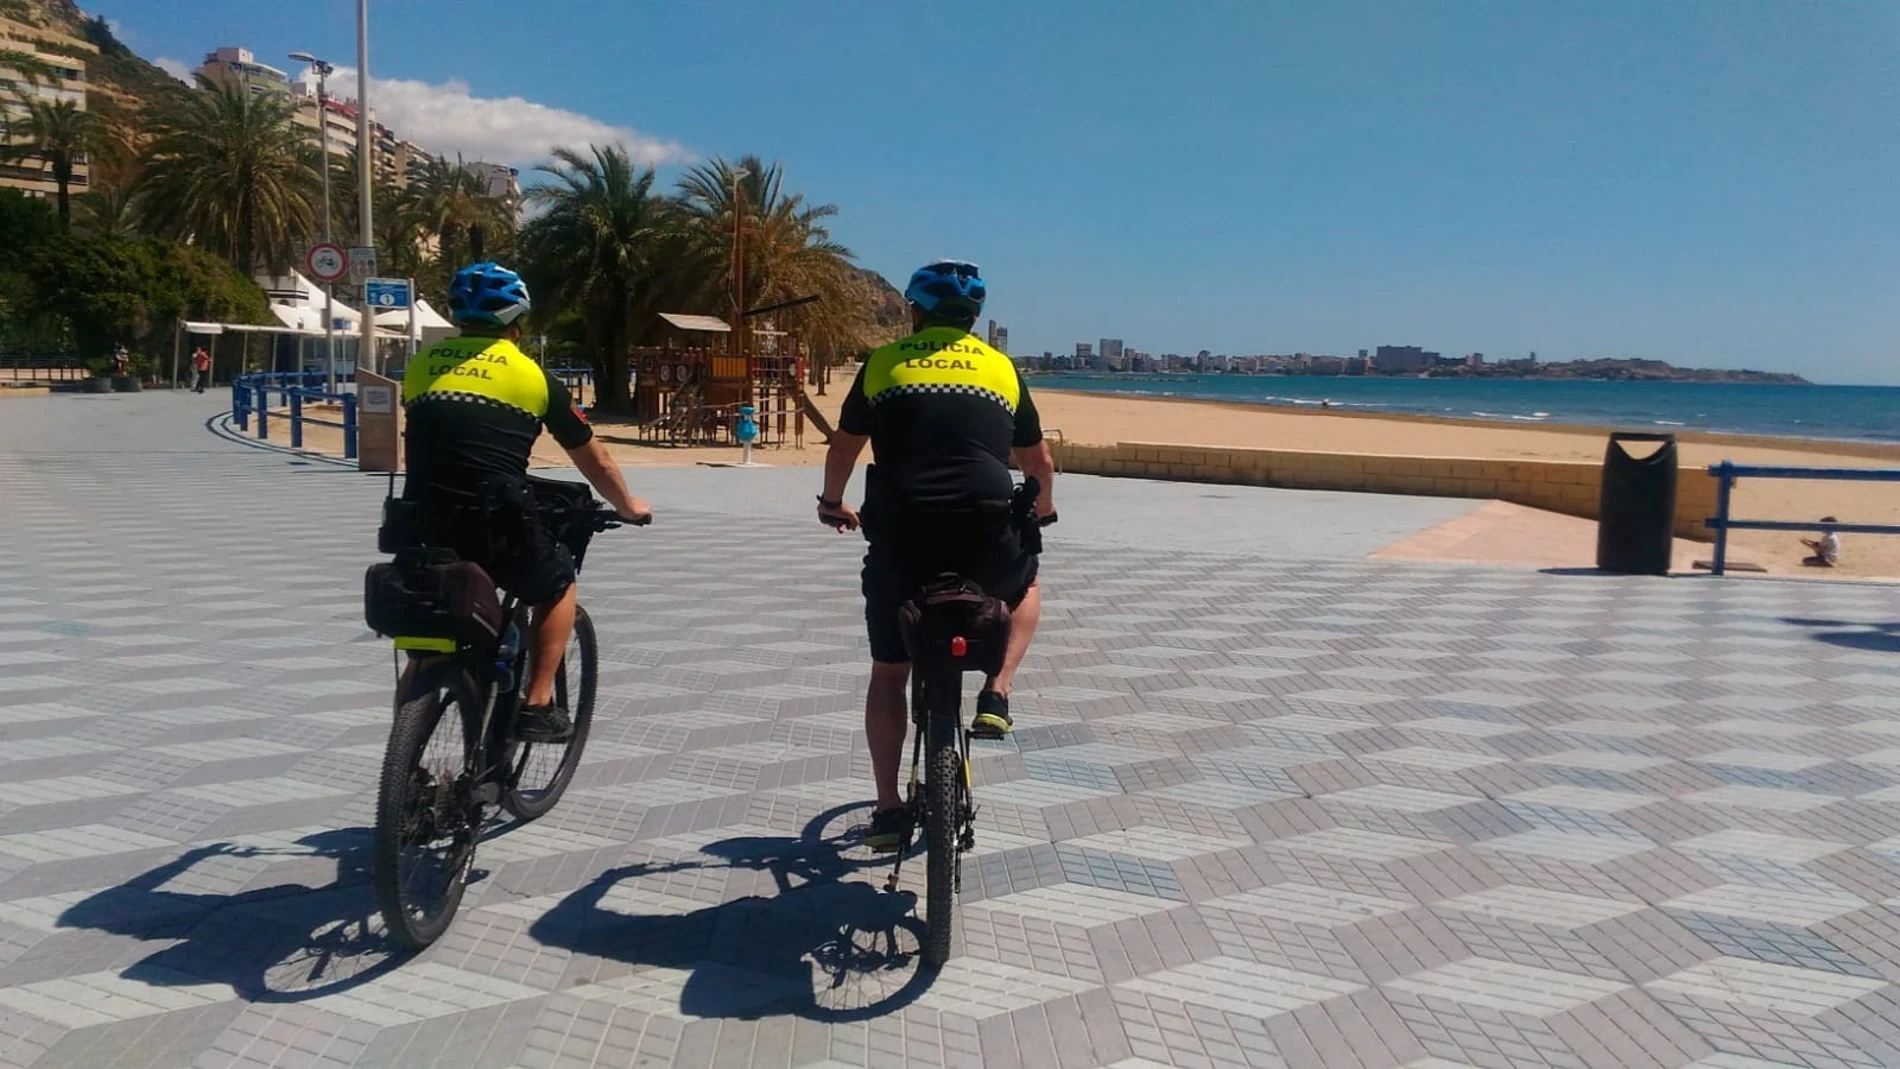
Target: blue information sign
x=386 y=293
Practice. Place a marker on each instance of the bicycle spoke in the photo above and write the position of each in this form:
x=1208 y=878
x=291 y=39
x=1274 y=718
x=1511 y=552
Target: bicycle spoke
x=438 y=829
x=539 y=772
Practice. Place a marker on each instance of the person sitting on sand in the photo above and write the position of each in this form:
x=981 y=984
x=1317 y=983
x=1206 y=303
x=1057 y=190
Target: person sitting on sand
x=1827 y=548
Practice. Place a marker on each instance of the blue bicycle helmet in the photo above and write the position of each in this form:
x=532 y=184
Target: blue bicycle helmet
x=947 y=289
x=487 y=295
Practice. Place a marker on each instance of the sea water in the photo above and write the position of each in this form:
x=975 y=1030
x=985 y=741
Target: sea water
x=1863 y=413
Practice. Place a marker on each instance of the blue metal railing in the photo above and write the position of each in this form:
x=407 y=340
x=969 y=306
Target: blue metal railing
x=250 y=396
x=1727 y=472
x=251 y=400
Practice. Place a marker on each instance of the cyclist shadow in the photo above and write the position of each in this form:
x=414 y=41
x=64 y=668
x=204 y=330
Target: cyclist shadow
x=284 y=943
x=826 y=946
x=1869 y=638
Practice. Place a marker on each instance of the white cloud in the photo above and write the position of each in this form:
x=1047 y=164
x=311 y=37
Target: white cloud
x=449 y=119
x=177 y=68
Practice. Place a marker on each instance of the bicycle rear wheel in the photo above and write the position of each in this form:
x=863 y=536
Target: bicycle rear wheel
x=539 y=772
x=427 y=815
x=943 y=796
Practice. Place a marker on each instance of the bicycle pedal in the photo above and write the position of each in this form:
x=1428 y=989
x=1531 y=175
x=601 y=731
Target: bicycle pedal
x=986 y=734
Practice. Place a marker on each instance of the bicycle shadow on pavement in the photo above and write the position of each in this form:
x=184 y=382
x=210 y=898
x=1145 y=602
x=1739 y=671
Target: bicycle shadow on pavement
x=1871 y=638
x=830 y=945
x=288 y=942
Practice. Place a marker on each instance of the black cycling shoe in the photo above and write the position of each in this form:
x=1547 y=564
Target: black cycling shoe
x=992 y=716
x=890 y=831
x=543 y=723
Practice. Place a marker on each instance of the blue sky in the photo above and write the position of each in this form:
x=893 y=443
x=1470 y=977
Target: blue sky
x=1707 y=183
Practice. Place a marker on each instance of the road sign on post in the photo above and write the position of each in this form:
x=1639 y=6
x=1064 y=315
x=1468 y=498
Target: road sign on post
x=327 y=262
x=362 y=265
x=386 y=293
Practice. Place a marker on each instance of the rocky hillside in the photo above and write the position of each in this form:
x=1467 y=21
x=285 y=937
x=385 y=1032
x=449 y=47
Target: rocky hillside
x=883 y=304
x=117 y=79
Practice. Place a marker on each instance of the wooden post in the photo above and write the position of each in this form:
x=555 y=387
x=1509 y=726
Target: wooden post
x=378 y=438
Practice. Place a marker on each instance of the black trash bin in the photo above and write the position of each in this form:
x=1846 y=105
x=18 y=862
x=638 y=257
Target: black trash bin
x=1637 y=515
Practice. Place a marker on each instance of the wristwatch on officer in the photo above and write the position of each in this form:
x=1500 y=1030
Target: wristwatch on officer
x=823 y=504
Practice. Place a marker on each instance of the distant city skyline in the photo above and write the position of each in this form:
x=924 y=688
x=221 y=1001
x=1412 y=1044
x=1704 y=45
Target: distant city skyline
x=1113 y=353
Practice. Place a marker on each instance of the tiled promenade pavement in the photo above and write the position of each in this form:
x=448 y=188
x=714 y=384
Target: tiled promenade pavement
x=1269 y=809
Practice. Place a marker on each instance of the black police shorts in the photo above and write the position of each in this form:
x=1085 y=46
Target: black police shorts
x=896 y=564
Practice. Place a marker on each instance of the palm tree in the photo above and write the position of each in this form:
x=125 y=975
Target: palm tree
x=398 y=238
x=58 y=132
x=232 y=171
x=108 y=212
x=108 y=208
x=787 y=247
x=451 y=199
x=610 y=249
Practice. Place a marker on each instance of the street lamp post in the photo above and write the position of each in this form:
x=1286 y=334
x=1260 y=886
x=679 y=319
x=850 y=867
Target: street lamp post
x=738 y=263
x=366 y=148
x=324 y=70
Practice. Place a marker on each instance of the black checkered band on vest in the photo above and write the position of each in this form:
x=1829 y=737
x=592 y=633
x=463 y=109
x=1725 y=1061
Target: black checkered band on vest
x=467 y=398
x=944 y=388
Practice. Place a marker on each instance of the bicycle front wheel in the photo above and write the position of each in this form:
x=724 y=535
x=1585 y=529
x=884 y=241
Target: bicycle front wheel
x=943 y=797
x=539 y=772
x=427 y=814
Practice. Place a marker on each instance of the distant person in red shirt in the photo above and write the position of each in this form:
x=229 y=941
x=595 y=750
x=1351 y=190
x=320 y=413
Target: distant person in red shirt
x=200 y=370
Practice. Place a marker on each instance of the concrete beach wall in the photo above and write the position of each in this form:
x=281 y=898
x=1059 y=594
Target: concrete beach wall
x=1569 y=487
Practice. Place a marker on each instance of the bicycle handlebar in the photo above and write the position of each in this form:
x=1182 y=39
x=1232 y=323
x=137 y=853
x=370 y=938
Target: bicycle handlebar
x=596 y=517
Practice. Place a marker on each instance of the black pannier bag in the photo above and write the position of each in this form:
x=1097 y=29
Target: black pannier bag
x=950 y=608
x=431 y=593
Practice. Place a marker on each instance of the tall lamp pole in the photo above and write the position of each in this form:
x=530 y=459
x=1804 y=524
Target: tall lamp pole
x=738 y=262
x=324 y=70
x=366 y=149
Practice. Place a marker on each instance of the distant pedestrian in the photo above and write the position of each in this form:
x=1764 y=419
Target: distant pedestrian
x=1827 y=548
x=200 y=369
x=120 y=358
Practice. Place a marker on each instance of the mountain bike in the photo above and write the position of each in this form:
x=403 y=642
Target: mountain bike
x=452 y=759
x=950 y=627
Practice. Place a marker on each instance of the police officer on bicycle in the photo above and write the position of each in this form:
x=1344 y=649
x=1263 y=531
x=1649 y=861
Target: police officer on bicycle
x=474 y=406
x=944 y=415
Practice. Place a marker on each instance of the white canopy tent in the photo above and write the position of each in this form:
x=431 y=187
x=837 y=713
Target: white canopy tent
x=429 y=326
x=299 y=304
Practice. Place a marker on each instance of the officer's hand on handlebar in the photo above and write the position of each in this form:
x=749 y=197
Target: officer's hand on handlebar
x=837 y=515
x=640 y=514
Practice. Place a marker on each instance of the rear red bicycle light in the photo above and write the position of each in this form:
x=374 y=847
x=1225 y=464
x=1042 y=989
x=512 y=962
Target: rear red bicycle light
x=958 y=647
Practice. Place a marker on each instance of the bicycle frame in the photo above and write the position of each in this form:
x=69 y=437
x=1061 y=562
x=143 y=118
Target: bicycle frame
x=937 y=695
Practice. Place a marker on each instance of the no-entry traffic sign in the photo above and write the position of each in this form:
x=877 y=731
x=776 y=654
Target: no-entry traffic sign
x=327 y=262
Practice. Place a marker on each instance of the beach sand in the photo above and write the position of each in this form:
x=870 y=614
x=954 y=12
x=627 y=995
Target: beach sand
x=1103 y=419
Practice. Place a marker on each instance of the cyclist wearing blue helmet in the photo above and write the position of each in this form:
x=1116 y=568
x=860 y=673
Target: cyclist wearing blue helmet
x=474 y=406
x=944 y=414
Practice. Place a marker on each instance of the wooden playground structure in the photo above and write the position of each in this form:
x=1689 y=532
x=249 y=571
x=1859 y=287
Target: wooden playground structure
x=688 y=390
